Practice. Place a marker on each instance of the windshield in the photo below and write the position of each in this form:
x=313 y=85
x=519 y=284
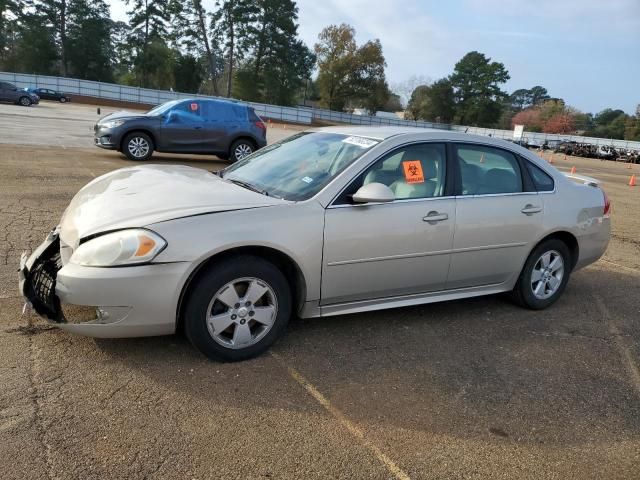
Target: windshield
x=300 y=166
x=160 y=109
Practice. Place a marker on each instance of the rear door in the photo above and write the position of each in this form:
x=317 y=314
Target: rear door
x=497 y=219
x=218 y=116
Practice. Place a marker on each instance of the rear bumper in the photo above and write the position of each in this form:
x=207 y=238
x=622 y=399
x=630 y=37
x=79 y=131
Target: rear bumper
x=594 y=242
x=132 y=301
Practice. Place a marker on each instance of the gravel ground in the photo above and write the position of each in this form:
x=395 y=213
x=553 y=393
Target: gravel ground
x=468 y=389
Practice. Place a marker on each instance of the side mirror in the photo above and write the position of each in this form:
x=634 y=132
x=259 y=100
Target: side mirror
x=374 y=193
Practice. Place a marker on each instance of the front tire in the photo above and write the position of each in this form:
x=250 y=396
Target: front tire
x=544 y=276
x=137 y=146
x=237 y=309
x=240 y=149
x=25 y=101
x=63 y=100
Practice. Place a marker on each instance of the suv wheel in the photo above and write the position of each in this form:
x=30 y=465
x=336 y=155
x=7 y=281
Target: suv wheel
x=137 y=146
x=240 y=149
x=25 y=101
x=238 y=308
x=63 y=100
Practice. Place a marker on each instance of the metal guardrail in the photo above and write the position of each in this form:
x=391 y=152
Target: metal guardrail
x=302 y=115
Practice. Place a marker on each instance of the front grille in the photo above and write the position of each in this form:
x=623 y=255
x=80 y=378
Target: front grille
x=41 y=283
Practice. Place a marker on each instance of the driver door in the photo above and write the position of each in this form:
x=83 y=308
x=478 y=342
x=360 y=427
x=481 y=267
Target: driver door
x=183 y=128
x=391 y=249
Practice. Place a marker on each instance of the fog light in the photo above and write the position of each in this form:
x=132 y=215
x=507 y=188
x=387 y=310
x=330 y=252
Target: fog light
x=105 y=140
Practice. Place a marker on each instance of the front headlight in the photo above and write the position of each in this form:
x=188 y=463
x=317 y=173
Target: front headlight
x=112 y=123
x=125 y=247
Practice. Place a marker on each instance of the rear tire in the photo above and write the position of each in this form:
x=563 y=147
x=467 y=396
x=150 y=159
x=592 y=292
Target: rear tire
x=63 y=100
x=544 y=276
x=25 y=101
x=137 y=146
x=237 y=308
x=240 y=149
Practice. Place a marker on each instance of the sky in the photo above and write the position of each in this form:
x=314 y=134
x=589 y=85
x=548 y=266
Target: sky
x=584 y=51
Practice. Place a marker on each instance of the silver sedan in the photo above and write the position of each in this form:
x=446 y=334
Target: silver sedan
x=326 y=222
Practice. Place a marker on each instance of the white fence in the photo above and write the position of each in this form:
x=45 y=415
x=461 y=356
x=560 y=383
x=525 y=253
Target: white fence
x=302 y=115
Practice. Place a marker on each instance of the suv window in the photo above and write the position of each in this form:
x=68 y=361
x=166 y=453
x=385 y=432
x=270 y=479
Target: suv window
x=542 y=181
x=188 y=112
x=413 y=171
x=7 y=86
x=487 y=170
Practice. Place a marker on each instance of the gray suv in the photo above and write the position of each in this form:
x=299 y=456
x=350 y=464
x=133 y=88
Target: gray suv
x=10 y=93
x=228 y=129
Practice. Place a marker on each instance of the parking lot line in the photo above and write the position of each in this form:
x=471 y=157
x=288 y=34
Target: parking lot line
x=623 y=350
x=353 y=429
x=620 y=266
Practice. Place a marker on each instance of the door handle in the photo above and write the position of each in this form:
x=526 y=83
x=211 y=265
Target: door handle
x=531 y=209
x=433 y=217
x=198 y=127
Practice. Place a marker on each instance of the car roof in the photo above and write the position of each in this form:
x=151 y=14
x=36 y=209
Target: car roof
x=382 y=133
x=215 y=100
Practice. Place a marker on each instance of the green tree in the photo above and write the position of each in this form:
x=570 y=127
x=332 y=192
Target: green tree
x=433 y=103
x=348 y=75
x=148 y=20
x=188 y=73
x=632 y=126
x=538 y=94
x=335 y=51
x=35 y=46
x=191 y=23
x=276 y=63
x=231 y=22
x=10 y=11
x=89 y=40
x=476 y=82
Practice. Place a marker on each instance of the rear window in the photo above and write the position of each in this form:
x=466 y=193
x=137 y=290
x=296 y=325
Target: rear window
x=253 y=116
x=542 y=181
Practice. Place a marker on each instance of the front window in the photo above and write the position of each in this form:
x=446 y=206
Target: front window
x=300 y=166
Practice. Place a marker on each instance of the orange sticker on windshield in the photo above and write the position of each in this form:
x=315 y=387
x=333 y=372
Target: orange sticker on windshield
x=413 y=171
x=194 y=107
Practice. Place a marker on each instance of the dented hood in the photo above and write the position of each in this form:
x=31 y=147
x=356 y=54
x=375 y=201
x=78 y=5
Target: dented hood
x=142 y=195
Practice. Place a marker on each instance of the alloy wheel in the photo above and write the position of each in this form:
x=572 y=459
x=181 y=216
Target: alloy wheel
x=547 y=274
x=138 y=147
x=242 y=312
x=242 y=150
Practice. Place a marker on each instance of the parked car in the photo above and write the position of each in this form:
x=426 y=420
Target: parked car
x=48 y=94
x=10 y=93
x=326 y=222
x=228 y=129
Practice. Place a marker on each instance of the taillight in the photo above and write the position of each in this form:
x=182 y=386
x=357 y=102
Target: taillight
x=607 y=204
x=261 y=125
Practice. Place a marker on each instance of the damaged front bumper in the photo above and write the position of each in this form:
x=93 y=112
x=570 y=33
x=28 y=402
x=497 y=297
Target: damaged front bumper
x=133 y=301
x=37 y=278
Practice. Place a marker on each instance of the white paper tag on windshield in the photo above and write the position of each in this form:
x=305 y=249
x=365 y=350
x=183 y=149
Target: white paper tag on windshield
x=307 y=179
x=360 y=142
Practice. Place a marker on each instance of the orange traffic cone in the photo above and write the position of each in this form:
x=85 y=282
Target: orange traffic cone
x=551 y=158
x=573 y=170
x=632 y=181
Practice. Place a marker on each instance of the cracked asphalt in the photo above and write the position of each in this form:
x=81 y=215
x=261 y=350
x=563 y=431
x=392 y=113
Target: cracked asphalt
x=476 y=388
